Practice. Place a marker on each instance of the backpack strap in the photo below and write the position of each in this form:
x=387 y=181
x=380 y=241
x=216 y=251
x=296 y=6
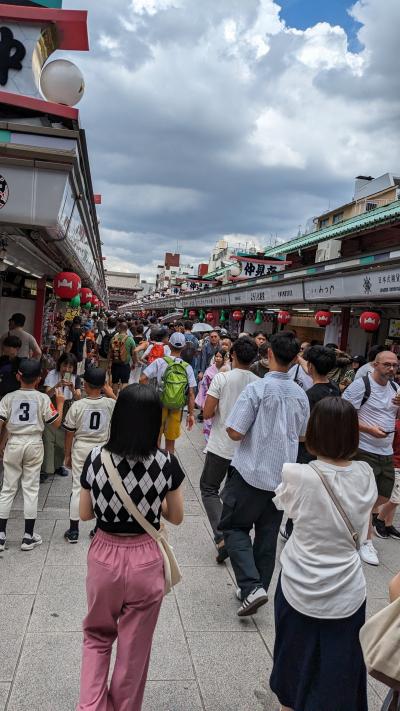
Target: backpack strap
x=368 y=388
x=367 y=392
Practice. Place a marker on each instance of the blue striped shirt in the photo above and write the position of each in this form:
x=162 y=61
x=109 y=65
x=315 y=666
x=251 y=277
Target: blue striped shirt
x=272 y=413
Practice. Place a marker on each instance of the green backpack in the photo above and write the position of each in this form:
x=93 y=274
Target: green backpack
x=174 y=384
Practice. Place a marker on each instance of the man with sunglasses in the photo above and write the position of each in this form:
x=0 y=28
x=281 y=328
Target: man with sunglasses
x=377 y=399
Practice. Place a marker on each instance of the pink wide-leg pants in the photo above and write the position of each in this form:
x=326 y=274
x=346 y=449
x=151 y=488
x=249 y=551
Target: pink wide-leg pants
x=125 y=588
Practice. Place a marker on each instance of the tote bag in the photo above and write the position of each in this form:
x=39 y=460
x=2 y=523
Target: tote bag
x=380 y=642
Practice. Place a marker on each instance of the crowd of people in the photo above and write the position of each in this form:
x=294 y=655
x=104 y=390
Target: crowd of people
x=301 y=440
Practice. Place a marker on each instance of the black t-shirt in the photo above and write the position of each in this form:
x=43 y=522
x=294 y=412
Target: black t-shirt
x=259 y=369
x=8 y=375
x=146 y=482
x=77 y=339
x=320 y=390
x=316 y=393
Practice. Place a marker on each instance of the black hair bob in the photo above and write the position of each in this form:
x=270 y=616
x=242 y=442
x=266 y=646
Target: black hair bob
x=135 y=423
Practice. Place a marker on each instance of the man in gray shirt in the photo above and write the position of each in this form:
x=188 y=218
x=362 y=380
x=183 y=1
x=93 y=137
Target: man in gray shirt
x=268 y=419
x=29 y=346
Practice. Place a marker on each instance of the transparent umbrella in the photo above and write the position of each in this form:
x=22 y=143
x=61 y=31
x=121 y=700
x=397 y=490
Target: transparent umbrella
x=202 y=328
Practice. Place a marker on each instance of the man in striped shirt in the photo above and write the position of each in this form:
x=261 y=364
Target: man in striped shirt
x=268 y=419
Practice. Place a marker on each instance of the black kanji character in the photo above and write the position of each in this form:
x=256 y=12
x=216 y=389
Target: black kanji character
x=12 y=52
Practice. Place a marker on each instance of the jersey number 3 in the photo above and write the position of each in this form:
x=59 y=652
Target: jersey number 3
x=25 y=410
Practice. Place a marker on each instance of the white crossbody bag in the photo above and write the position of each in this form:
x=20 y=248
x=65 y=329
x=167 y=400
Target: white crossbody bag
x=172 y=571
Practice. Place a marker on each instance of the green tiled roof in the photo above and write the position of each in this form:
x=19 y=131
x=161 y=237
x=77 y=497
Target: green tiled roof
x=380 y=215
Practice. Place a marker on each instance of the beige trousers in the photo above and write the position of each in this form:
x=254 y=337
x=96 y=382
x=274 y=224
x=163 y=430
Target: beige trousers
x=23 y=459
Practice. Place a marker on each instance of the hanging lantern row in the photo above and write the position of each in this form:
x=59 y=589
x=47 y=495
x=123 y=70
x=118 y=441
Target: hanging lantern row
x=370 y=321
x=323 y=318
x=68 y=287
x=284 y=317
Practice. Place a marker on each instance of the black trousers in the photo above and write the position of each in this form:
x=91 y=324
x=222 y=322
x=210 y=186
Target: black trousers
x=245 y=508
x=214 y=472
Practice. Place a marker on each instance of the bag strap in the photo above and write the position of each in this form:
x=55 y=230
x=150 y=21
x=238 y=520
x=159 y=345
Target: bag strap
x=119 y=488
x=367 y=392
x=354 y=534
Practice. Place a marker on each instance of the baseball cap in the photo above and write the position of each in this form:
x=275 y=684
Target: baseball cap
x=95 y=377
x=177 y=340
x=30 y=368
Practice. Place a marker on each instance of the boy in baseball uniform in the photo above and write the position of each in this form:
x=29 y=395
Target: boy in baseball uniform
x=87 y=426
x=25 y=413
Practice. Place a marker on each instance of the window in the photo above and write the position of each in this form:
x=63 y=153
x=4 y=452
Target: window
x=323 y=223
x=370 y=206
x=337 y=218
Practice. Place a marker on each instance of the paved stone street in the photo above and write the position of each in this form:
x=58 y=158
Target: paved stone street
x=204 y=657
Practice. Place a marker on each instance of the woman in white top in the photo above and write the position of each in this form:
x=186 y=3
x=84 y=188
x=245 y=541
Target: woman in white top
x=320 y=597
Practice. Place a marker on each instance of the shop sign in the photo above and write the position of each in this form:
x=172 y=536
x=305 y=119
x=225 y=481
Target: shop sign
x=282 y=294
x=12 y=54
x=256 y=270
x=214 y=299
x=383 y=284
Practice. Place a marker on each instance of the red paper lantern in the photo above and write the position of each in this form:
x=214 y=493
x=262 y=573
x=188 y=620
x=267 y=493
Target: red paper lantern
x=210 y=317
x=67 y=285
x=370 y=321
x=323 y=318
x=284 y=317
x=237 y=315
x=86 y=296
x=192 y=314
x=95 y=301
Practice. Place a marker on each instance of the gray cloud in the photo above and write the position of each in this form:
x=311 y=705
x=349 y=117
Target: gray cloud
x=211 y=118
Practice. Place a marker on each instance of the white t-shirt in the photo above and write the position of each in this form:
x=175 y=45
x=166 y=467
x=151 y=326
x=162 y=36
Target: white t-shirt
x=364 y=370
x=379 y=411
x=322 y=574
x=297 y=373
x=89 y=419
x=54 y=377
x=157 y=368
x=26 y=412
x=226 y=387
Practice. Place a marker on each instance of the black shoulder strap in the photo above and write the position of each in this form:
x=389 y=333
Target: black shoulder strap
x=368 y=388
x=367 y=392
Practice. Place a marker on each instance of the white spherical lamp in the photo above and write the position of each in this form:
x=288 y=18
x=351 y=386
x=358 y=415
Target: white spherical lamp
x=235 y=270
x=62 y=82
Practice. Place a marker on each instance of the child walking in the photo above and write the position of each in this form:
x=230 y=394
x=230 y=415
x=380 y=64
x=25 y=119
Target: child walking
x=87 y=426
x=25 y=412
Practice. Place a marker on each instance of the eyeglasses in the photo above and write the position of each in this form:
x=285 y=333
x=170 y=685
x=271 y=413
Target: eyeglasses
x=389 y=365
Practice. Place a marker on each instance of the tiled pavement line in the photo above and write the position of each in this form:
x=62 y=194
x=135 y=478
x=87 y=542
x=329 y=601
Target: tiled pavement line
x=28 y=621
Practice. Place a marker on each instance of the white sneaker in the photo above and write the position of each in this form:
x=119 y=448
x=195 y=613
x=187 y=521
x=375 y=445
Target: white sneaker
x=368 y=553
x=252 y=602
x=30 y=542
x=238 y=594
x=2 y=544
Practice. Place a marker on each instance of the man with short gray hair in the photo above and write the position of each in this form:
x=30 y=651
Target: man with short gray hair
x=376 y=397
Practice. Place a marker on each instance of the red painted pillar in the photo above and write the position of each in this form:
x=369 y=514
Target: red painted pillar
x=39 y=310
x=346 y=314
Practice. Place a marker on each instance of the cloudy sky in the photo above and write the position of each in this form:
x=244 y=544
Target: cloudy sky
x=208 y=118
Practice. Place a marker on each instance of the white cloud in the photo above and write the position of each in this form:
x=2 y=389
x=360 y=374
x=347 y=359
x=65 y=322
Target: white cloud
x=212 y=117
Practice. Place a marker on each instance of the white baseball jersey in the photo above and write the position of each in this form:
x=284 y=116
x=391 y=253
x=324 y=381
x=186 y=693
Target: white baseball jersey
x=89 y=420
x=26 y=412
